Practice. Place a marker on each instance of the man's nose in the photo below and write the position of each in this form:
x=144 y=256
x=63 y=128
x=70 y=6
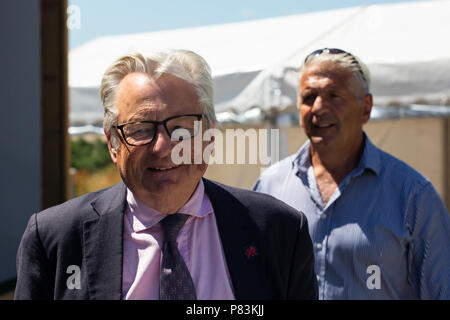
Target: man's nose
x=320 y=106
x=162 y=143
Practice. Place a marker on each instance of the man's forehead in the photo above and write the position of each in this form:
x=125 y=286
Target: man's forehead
x=136 y=86
x=141 y=88
x=141 y=96
x=321 y=75
x=142 y=83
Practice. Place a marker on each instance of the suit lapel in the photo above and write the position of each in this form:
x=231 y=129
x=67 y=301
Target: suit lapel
x=103 y=245
x=241 y=243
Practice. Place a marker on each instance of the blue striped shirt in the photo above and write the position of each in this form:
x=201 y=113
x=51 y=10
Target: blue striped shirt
x=384 y=233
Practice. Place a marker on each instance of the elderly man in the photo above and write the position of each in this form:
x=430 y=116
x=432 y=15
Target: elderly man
x=379 y=229
x=164 y=232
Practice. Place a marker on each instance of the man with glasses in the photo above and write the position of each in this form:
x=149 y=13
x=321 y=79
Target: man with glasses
x=379 y=228
x=164 y=232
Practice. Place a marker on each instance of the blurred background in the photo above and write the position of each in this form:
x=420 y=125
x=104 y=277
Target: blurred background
x=54 y=54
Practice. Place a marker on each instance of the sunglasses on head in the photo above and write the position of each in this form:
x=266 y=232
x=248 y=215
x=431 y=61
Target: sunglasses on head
x=336 y=51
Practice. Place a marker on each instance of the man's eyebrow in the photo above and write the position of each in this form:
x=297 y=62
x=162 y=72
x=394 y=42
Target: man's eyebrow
x=308 y=90
x=141 y=115
x=145 y=99
x=331 y=86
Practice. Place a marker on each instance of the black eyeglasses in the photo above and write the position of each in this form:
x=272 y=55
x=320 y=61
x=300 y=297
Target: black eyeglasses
x=336 y=51
x=182 y=127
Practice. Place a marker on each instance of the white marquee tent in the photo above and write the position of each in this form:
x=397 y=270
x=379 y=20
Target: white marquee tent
x=405 y=46
x=254 y=63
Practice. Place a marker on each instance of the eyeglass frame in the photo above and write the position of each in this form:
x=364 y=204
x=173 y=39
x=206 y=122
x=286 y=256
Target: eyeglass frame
x=336 y=51
x=157 y=124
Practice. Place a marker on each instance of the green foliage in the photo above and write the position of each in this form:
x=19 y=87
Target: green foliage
x=89 y=155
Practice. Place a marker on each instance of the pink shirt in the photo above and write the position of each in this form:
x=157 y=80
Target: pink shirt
x=198 y=241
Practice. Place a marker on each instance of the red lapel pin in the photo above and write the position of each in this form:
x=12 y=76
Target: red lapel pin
x=250 y=252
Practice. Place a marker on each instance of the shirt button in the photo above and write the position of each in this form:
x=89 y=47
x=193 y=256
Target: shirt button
x=318 y=278
x=318 y=246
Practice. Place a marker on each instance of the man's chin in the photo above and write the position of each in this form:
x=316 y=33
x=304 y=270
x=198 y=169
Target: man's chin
x=159 y=186
x=316 y=139
x=321 y=142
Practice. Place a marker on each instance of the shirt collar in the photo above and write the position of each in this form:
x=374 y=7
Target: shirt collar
x=199 y=204
x=143 y=217
x=301 y=161
x=370 y=159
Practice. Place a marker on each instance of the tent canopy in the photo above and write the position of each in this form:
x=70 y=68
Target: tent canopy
x=255 y=63
x=403 y=45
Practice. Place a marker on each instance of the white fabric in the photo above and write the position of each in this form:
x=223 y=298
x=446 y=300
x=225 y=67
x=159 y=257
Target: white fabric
x=404 y=44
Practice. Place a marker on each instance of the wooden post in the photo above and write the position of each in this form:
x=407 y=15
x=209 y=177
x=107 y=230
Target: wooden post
x=54 y=103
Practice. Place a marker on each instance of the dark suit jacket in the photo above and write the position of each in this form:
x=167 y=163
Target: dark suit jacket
x=266 y=243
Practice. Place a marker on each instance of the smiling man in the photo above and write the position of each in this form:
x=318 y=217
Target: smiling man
x=164 y=232
x=149 y=171
x=377 y=225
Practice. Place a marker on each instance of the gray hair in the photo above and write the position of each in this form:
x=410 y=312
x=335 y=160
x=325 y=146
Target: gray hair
x=183 y=64
x=345 y=60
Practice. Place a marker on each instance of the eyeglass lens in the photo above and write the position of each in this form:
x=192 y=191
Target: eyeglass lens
x=180 y=128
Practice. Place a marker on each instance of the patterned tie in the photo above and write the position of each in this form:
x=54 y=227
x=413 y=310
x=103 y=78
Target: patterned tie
x=175 y=280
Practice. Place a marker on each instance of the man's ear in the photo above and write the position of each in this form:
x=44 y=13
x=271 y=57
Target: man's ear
x=366 y=108
x=112 y=151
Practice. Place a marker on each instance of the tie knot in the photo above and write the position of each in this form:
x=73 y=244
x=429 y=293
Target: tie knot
x=172 y=224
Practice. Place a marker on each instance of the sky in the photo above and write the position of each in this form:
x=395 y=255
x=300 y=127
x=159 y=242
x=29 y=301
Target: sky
x=89 y=19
